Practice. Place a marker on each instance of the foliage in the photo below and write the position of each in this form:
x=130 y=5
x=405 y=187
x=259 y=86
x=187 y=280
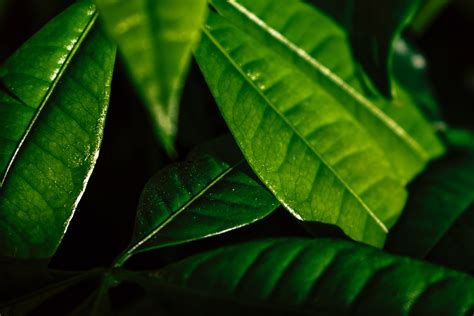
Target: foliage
x=337 y=147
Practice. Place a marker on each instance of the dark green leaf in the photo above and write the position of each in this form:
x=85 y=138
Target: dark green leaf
x=434 y=213
x=319 y=48
x=375 y=25
x=410 y=70
x=27 y=305
x=155 y=38
x=196 y=199
x=313 y=155
x=460 y=139
x=20 y=277
x=309 y=277
x=52 y=112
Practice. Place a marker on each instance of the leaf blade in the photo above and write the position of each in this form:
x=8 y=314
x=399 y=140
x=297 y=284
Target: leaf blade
x=155 y=38
x=306 y=276
x=48 y=174
x=397 y=126
x=319 y=137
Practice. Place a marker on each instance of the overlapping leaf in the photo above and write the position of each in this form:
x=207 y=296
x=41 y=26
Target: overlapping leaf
x=307 y=277
x=155 y=38
x=438 y=222
x=320 y=48
x=54 y=97
x=311 y=153
x=196 y=199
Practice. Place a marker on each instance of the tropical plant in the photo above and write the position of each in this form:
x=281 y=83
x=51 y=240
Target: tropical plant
x=323 y=176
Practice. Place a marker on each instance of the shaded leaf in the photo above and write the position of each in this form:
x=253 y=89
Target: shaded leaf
x=196 y=199
x=307 y=277
x=52 y=113
x=31 y=303
x=438 y=212
x=155 y=38
x=313 y=155
x=320 y=49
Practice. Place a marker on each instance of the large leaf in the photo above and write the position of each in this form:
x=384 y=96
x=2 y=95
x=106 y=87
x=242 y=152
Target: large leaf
x=304 y=146
x=196 y=199
x=320 y=49
x=309 y=277
x=155 y=38
x=438 y=214
x=52 y=111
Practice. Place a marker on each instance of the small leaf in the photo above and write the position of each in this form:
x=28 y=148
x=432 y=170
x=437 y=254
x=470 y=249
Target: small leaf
x=155 y=38
x=305 y=147
x=319 y=48
x=196 y=199
x=438 y=211
x=308 y=277
x=52 y=113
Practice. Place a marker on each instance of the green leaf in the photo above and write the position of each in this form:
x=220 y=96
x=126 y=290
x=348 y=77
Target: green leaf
x=196 y=199
x=52 y=110
x=156 y=38
x=319 y=48
x=313 y=155
x=438 y=211
x=309 y=277
x=460 y=139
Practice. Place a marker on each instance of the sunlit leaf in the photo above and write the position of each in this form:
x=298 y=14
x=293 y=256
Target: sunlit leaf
x=155 y=38
x=53 y=102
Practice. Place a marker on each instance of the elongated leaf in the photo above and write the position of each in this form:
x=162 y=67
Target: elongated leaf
x=302 y=144
x=196 y=199
x=52 y=113
x=320 y=49
x=155 y=38
x=310 y=277
x=438 y=213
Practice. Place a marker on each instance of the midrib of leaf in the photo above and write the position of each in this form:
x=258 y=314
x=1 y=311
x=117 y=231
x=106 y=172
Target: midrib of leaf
x=392 y=125
x=128 y=253
x=313 y=150
x=48 y=94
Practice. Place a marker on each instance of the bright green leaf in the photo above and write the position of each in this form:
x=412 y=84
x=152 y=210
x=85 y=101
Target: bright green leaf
x=156 y=38
x=196 y=199
x=52 y=110
x=319 y=48
x=303 y=145
x=308 y=277
x=438 y=211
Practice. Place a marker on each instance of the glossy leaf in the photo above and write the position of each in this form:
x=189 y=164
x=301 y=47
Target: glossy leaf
x=196 y=199
x=309 y=277
x=155 y=38
x=438 y=211
x=318 y=47
x=303 y=145
x=52 y=111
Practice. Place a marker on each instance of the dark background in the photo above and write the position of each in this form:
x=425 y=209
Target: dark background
x=103 y=223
